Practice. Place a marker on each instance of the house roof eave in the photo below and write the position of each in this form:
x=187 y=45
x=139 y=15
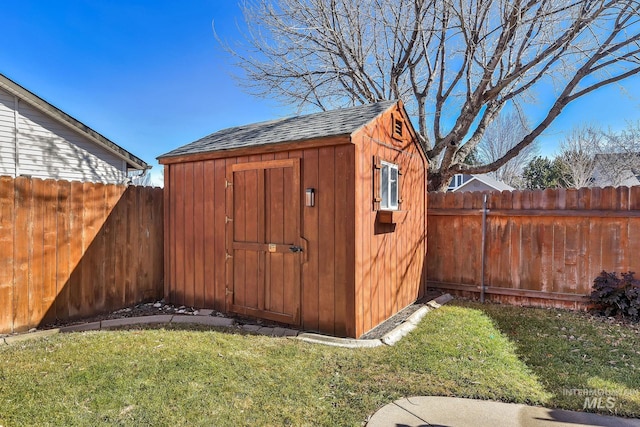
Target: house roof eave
x=62 y=117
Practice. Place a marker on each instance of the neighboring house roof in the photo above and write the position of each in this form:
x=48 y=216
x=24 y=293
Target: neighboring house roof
x=487 y=180
x=299 y=128
x=59 y=115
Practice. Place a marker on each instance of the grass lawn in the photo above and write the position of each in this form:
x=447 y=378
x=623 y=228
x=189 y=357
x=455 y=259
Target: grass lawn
x=206 y=377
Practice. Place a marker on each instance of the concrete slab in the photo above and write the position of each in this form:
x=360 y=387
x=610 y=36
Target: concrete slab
x=416 y=317
x=537 y=416
x=12 y=339
x=124 y=321
x=205 y=312
x=82 y=327
x=266 y=331
x=394 y=415
x=443 y=299
x=290 y=332
x=251 y=328
x=338 y=342
x=394 y=336
x=455 y=412
x=158 y=318
x=278 y=331
x=204 y=320
x=284 y=332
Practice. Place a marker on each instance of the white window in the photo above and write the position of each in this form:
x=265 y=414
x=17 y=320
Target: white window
x=456 y=181
x=389 y=186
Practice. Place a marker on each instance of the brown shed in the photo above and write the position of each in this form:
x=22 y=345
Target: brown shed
x=317 y=221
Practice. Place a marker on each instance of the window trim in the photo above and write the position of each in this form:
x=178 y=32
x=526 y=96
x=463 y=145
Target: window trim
x=456 y=181
x=392 y=205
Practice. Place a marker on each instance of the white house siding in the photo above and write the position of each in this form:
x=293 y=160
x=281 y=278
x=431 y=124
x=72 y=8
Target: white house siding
x=7 y=136
x=49 y=149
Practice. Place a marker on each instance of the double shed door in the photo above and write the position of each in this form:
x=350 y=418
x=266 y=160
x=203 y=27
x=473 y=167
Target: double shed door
x=266 y=246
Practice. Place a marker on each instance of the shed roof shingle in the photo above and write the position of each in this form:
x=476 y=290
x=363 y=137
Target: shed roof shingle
x=317 y=125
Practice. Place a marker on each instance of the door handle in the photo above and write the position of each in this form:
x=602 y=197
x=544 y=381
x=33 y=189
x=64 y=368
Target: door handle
x=295 y=248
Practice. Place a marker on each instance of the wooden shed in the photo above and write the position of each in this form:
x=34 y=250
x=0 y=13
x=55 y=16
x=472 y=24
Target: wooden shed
x=317 y=221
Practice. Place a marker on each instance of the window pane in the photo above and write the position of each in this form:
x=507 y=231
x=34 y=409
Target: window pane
x=393 y=184
x=384 y=187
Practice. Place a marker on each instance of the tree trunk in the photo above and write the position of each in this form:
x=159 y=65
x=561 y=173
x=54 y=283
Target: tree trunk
x=438 y=181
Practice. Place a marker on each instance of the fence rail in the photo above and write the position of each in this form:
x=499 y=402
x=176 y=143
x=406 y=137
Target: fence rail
x=73 y=249
x=543 y=247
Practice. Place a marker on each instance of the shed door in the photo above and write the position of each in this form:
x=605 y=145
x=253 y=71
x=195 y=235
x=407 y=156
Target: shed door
x=266 y=244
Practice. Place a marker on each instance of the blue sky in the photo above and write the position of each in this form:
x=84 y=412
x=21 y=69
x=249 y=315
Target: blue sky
x=150 y=76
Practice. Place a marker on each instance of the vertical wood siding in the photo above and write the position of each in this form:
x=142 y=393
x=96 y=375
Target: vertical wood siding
x=543 y=247
x=356 y=271
x=72 y=249
x=389 y=262
x=327 y=279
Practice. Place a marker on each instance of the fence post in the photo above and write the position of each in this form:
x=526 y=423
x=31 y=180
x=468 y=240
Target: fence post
x=483 y=250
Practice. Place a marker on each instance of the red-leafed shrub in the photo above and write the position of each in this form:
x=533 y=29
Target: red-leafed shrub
x=613 y=295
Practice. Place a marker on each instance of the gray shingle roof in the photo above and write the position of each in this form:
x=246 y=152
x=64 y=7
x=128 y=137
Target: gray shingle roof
x=318 y=125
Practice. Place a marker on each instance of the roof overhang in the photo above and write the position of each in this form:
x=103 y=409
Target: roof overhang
x=258 y=149
x=15 y=89
x=289 y=145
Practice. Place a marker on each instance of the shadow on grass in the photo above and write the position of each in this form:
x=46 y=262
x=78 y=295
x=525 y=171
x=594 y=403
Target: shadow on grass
x=585 y=362
x=173 y=374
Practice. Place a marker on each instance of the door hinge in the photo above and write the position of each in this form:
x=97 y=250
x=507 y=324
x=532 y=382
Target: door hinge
x=228 y=292
x=228 y=184
x=227 y=219
x=227 y=256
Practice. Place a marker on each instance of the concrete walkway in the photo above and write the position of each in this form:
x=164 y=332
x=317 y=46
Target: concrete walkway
x=205 y=317
x=457 y=412
x=201 y=319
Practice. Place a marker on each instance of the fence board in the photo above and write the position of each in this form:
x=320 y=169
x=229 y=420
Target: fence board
x=562 y=246
x=63 y=248
x=49 y=220
x=88 y=233
x=133 y=202
x=36 y=254
x=21 y=251
x=541 y=245
x=70 y=249
x=7 y=196
x=155 y=241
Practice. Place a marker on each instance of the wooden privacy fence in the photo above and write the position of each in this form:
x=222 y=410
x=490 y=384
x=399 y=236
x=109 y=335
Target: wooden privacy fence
x=542 y=247
x=73 y=249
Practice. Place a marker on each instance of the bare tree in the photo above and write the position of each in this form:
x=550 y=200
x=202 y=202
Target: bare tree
x=140 y=178
x=500 y=136
x=618 y=162
x=456 y=63
x=597 y=158
x=578 y=153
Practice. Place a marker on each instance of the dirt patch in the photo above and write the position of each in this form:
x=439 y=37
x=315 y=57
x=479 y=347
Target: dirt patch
x=157 y=308
x=160 y=307
x=139 y=310
x=398 y=318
